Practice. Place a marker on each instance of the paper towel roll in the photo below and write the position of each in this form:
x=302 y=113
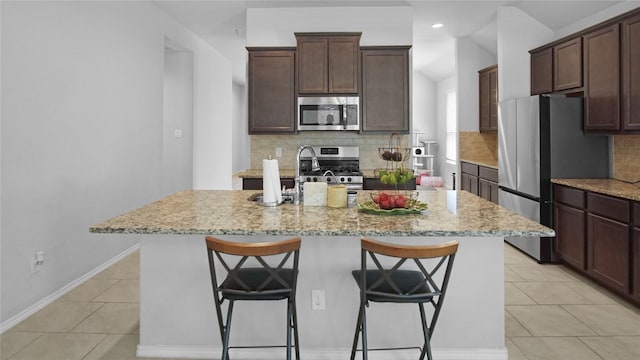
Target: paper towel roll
x=337 y=196
x=271 y=182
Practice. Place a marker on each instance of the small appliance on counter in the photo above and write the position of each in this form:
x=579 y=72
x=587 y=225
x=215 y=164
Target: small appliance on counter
x=540 y=138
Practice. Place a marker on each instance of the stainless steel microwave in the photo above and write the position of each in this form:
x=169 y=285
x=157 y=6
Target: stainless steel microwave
x=329 y=113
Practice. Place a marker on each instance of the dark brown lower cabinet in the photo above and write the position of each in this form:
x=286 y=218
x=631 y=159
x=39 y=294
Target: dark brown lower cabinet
x=488 y=190
x=608 y=252
x=376 y=184
x=256 y=183
x=570 y=226
x=635 y=291
x=469 y=183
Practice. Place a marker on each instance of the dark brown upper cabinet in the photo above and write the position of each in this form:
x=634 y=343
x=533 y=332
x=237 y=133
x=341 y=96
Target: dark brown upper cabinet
x=488 y=80
x=271 y=87
x=631 y=73
x=557 y=68
x=601 y=63
x=385 y=89
x=567 y=65
x=602 y=79
x=542 y=71
x=328 y=63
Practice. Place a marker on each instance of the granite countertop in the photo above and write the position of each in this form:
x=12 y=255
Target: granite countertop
x=450 y=213
x=486 y=163
x=604 y=186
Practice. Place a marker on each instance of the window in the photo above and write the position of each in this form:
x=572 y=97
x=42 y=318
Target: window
x=452 y=127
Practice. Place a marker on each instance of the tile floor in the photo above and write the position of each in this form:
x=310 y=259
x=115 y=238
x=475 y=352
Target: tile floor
x=551 y=313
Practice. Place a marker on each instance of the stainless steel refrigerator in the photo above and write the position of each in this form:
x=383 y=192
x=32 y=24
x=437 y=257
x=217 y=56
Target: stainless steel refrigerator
x=540 y=138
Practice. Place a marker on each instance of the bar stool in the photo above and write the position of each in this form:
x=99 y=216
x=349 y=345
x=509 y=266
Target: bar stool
x=399 y=285
x=272 y=276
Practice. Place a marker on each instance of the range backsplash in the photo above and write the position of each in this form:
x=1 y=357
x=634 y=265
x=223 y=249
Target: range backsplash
x=479 y=147
x=264 y=145
x=626 y=157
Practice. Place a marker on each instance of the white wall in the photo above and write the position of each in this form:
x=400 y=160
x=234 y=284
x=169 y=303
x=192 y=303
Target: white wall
x=82 y=133
x=470 y=58
x=517 y=34
x=379 y=25
x=442 y=167
x=423 y=102
x=594 y=19
x=241 y=141
x=177 y=149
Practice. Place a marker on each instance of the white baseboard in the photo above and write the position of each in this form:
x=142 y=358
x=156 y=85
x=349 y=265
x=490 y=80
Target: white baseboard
x=14 y=320
x=205 y=352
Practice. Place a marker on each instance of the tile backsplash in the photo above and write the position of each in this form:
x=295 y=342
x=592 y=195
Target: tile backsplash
x=626 y=157
x=264 y=145
x=480 y=147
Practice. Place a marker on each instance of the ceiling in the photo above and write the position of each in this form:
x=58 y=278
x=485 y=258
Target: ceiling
x=223 y=24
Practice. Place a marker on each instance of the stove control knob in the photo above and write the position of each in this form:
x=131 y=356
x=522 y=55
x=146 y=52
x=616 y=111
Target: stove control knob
x=341 y=179
x=328 y=179
x=315 y=179
x=348 y=179
x=308 y=179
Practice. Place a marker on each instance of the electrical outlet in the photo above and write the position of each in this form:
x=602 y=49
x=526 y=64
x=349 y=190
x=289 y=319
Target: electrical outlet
x=36 y=261
x=317 y=300
x=278 y=152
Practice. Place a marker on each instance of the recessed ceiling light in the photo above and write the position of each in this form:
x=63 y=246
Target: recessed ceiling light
x=437 y=25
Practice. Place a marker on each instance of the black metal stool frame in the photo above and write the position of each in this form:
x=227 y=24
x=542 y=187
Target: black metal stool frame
x=402 y=286
x=264 y=283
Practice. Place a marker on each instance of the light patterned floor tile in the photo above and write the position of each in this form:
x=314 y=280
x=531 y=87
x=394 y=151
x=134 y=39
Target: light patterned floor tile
x=514 y=296
x=615 y=347
x=592 y=294
x=607 y=319
x=59 y=316
x=59 y=347
x=536 y=272
x=88 y=290
x=513 y=327
x=514 y=351
x=554 y=348
x=112 y=318
x=550 y=293
x=122 y=291
x=510 y=275
x=13 y=341
x=127 y=268
x=548 y=320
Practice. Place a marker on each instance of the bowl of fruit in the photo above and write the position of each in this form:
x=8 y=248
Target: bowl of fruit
x=396 y=176
x=393 y=203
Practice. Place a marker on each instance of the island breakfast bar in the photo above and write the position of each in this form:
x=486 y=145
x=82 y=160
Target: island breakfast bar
x=177 y=315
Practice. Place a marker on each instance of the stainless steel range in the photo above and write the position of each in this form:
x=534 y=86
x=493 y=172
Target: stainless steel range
x=338 y=165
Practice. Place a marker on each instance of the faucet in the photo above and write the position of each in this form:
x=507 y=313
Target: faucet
x=315 y=166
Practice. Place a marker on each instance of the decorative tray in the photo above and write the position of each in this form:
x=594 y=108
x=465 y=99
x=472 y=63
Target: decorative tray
x=371 y=207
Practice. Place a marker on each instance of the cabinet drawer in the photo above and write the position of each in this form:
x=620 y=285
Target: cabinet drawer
x=488 y=173
x=636 y=214
x=471 y=169
x=569 y=196
x=610 y=207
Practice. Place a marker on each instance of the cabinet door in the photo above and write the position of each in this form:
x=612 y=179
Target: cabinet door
x=488 y=190
x=488 y=81
x=542 y=71
x=385 y=90
x=567 y=65
x=271 y=91
x=494 y=190
x=635 y=258
x=602 y=79
x=469 y=183
x=631 y=74
x=313 y=69
x=344 y=56
x=570 y=241
x=608 y=252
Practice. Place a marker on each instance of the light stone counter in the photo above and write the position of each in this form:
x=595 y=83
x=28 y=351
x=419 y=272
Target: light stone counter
x=604 y=186
x=177 y=314
x=450 y=213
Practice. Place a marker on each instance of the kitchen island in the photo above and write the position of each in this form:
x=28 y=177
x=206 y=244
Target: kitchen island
x=177 y=316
